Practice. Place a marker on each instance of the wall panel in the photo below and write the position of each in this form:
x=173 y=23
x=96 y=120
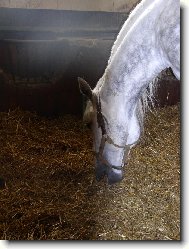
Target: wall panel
x=85 y=5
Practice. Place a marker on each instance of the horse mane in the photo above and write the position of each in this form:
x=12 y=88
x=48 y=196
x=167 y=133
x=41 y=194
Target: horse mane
x=134 y=14
x=146 y=101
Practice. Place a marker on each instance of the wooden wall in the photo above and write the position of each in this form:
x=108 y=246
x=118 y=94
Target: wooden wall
x=84 y=5
x=43 y=51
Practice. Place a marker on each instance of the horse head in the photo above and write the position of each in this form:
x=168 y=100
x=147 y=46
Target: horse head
x=109 y=156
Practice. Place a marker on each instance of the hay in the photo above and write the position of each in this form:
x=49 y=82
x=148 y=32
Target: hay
x=50 y=191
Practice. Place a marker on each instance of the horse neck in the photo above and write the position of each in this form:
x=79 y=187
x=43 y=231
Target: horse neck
x=134 y=15
x=137 y=61
x=121 y=93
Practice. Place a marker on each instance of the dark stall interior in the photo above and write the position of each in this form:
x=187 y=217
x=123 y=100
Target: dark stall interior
x=42 y=52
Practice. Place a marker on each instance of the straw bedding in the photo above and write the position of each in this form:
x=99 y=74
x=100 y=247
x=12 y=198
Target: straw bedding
x=50 y=190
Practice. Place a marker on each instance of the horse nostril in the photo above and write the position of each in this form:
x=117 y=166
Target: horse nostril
x=100 y=173
x=114 y=177
x=101 y=170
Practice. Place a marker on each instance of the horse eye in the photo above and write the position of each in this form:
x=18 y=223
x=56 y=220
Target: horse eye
x=89 y=125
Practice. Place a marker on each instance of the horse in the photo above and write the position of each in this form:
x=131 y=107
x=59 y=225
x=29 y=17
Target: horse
x=148 y=43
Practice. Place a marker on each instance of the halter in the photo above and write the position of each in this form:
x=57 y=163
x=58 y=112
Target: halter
x=107 y=139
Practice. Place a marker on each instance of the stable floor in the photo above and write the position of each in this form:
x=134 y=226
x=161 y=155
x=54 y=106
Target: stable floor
x=50 y=192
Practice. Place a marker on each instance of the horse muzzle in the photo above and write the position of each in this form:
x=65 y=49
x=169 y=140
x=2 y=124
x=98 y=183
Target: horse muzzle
x=113 y=175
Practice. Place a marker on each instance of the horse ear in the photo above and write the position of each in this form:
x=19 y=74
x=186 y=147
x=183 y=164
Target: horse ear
x=85 y=88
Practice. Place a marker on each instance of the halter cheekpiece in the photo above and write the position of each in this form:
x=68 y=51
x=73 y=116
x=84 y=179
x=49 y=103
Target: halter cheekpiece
x=106 y=138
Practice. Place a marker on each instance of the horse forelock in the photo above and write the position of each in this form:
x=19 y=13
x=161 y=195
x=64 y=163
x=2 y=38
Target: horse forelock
x=88 y=113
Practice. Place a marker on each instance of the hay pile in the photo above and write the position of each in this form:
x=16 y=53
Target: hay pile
x=50 y=189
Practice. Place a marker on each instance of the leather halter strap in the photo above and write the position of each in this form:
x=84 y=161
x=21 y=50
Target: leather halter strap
x=99 y=155
x=107 y=139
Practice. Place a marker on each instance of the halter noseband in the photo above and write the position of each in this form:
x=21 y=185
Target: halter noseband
x=106 y=138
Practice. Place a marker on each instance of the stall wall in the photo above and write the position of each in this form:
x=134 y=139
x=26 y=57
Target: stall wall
x=45 y=45
x=83 y=5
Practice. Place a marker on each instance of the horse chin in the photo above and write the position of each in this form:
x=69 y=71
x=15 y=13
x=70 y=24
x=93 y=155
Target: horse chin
x=113 y=175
